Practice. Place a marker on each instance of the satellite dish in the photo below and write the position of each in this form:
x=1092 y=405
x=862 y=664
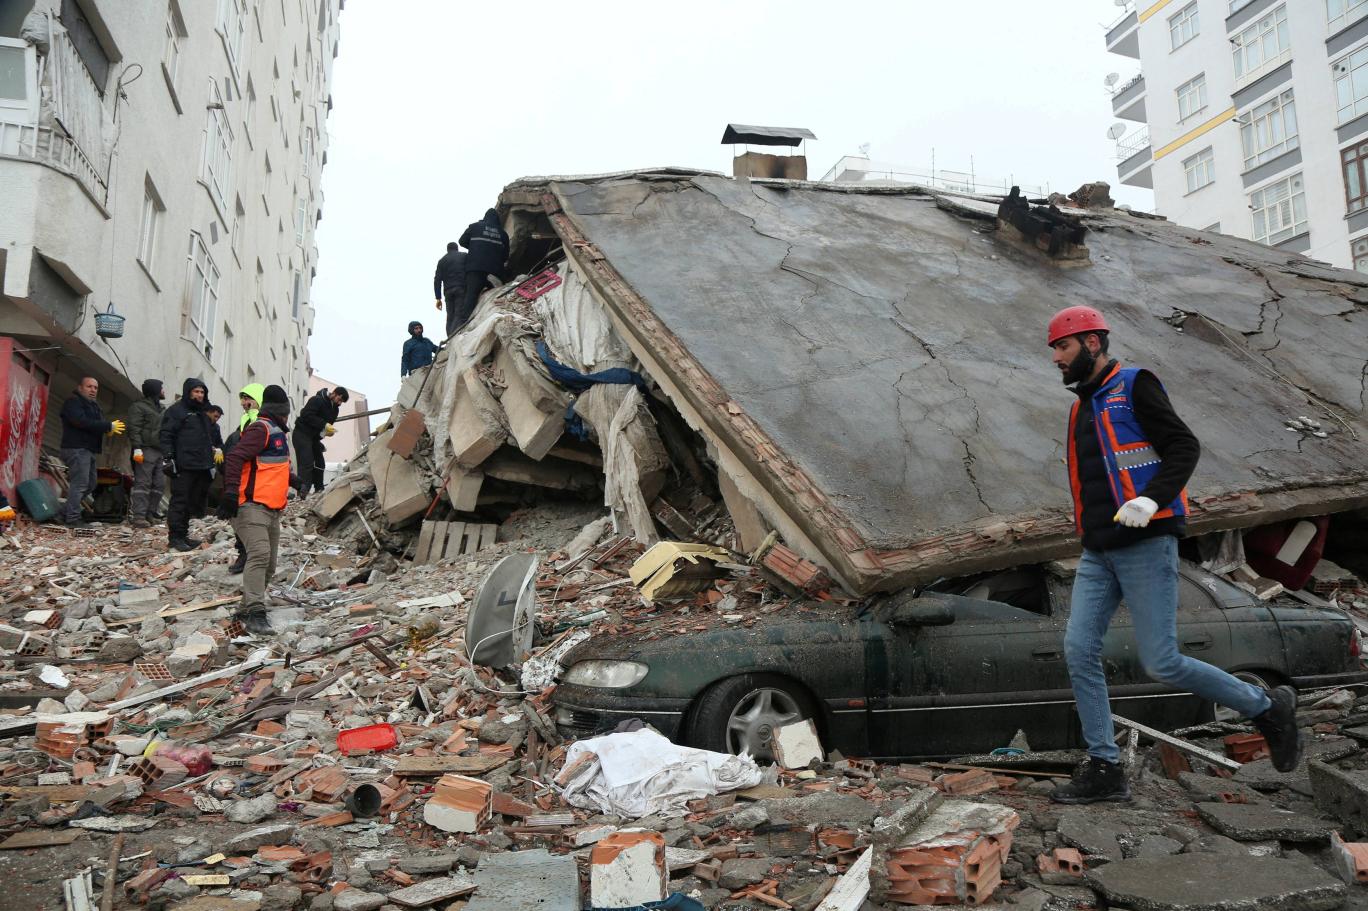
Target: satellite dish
x=1112 y=79
x=500 y=624
x=1116 y=131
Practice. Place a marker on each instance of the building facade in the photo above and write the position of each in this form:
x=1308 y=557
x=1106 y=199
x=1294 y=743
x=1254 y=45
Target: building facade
x=162 y=157
x=1253 y=119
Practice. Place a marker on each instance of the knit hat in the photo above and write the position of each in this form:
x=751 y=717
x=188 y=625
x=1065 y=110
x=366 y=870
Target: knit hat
x=151 y=388
x=275 y=394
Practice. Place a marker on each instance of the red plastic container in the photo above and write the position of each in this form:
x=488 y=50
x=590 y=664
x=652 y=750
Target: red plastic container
x=373 y=738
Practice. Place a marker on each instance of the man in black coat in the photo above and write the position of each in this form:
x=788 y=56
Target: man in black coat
x=488 y=245
x=187 y=445
x=449 y=282
x=315 y=421
x=83 y=431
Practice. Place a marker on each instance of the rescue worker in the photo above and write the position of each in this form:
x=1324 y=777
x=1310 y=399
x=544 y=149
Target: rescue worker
x=83 y=431
x=487 y=243
x=449 y=283
x=314 y=423
x=144 y=435
x=418 y=351
x=249 y=397
x=256 y=484
x=187 y=445
x=1130 y=457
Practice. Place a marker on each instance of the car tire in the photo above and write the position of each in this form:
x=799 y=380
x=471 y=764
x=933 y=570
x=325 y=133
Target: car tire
x=768 y=699
x=1264 y=680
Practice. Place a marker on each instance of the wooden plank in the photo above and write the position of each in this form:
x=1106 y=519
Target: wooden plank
x=437 y=549
x=231 y=671
x=456 y=539
x=177 y=611
x=487 y=535
x=40 y=838
x=420 y=553
x=472 y=539
x=57 y=793
x=426 y=766
x=1191 y=749
x=849 y=894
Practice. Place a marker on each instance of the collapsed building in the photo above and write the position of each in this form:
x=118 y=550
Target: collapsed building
x=859 y=369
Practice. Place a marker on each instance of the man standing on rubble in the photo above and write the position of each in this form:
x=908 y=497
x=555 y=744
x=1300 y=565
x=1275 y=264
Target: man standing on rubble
x=418 y=350
x=256 y=484
x=83 y=431
x=488 y=245
x=449 y=283
x=315 y=422
x=249 y=397
x=187 y=445
x=144 y=435
x=1130 y=457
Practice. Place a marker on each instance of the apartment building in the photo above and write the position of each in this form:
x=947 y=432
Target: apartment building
x=1253 y=119
x=162 y=157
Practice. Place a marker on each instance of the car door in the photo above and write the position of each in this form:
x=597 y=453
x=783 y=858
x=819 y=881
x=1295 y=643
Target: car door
x=971 y=685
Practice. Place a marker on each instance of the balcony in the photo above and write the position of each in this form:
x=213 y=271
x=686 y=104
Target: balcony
x=45 y=146
x=1128 y=102
x=1123 y=37
x=1135 y=160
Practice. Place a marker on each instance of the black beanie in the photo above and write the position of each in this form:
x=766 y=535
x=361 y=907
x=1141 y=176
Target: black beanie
x=276 y=395
x=151 y=388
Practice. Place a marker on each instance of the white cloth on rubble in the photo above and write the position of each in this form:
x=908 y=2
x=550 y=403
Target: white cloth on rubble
x=641 y=773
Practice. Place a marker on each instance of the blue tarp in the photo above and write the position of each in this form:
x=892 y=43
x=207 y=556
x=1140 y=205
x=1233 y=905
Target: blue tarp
x=575 y=381
x=676 y=902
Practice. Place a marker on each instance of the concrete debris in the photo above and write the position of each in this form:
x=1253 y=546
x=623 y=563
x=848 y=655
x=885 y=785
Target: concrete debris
x=1190 y=882
x=627 y=869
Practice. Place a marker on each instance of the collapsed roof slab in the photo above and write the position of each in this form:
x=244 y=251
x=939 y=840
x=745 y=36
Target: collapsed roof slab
x=877 y=364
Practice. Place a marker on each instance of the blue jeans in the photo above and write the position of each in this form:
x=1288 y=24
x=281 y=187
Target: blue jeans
x=1146 y=575
x=80 y=465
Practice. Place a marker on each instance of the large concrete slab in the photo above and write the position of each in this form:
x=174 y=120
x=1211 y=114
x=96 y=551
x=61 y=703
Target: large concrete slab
x=1211 y=882
x=879 y=363
x=1261 y=821
x=526 y=881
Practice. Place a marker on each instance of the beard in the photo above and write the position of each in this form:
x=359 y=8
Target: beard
x=1080 y=368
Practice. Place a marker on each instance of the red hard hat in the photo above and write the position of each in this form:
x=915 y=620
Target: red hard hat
x=1073 y=320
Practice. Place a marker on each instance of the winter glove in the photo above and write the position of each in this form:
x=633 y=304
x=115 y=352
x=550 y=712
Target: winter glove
x=116 y=427
x=329 y=430
x=1136 y=513
x=169 y=467
x=6 y=513
x=218 y=456
x=228 y=507
x=138 y=456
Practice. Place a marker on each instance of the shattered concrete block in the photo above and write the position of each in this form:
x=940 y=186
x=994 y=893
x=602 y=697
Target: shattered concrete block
x=1193 y=881
x=535 y=410
x=158 y=773
x=399 y=486
x=475 y=430
x=337 y=497
x=459 y=804
x=511 y=465
x=796 y=746
x=1342 y=794
x=954 y=856
x=463 y=488
x=628 y=868
x=139 y=598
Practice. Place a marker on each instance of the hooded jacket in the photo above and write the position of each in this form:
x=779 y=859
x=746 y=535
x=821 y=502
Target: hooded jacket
x=83 y=424
x=418 y=352
x=318 y=412
x=145 y=417
x=185 y=431
x=255 y=391
x=450 y=277
x=488 y=245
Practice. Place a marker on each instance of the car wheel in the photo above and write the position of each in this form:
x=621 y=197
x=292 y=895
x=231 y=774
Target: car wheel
x=741 y=714
x=1262 y=679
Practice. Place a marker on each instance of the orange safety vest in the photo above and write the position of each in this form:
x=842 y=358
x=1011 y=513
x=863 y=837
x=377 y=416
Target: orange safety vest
x=266 y=478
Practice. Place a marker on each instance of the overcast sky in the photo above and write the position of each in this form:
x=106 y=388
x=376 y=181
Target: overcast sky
x=438 y=105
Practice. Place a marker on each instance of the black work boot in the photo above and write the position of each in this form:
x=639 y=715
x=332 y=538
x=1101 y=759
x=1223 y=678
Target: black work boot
x=254 y=621
x=181 y=543
x=1094 y=781
x=238 y=565
x=1278 y=725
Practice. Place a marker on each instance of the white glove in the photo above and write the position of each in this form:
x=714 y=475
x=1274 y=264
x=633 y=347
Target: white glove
x=1136 y=513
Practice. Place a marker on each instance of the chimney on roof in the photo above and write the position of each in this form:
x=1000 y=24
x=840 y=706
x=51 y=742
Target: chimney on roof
x=761 y=164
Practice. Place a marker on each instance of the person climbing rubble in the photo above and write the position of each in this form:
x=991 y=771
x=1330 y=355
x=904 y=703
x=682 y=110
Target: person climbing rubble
x=1130 y=457
x=488 y=245
x=256 y=483
x=144 y=435
x=83 y=431
x=418 y=350
x=315 y=421
x=449 y=283
x=187 y=445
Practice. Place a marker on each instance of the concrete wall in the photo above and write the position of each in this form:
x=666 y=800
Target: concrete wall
x=158 y=136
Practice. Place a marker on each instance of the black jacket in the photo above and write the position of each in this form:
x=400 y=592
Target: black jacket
x=488 y=245
x=318 y=412
x=1171 y=438
x=451 y=274
x=186 y=433
x=83 y=424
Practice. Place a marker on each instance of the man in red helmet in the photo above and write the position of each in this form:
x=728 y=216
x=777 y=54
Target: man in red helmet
x=1130 y=456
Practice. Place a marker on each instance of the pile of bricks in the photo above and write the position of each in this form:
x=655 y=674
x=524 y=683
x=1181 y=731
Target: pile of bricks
x=804 y=575
x=61 y=736
x=1246 y=747
x=459 y=804
x=954 y=858
x=967 y=783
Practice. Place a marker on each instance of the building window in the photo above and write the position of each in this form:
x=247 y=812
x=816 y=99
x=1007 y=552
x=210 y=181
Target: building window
x=1200 y=170
x=248 y=110
x=1261 y=46
x=149 y=225
x=1359 y=249
x=1353 y=160
x=297 y=295
x=1351 y=84
x=201 y=289
x=1269 y=130
x=306 y=150
x=226 y=351
x=1213 y=229
x=235 y=240
x=87 y=42
x=1339 y=13
x=1192 y=97
x=301 y=217
x=1279 y=210
x=1183 y=26
x=232 y=26
x=171 y=51
x=218 y=149
x=18 y=82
